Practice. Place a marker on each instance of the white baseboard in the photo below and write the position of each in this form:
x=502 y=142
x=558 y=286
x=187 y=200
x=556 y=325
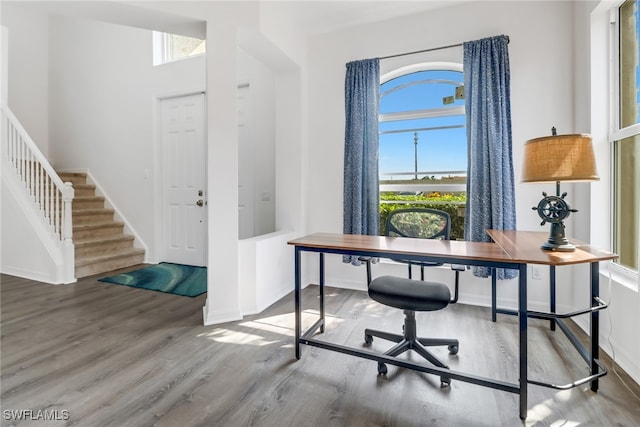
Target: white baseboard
x=215 y=317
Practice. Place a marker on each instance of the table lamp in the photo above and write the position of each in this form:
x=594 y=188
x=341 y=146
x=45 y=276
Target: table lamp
x=558 y=158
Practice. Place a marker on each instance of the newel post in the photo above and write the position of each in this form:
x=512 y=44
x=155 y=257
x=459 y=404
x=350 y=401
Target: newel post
x=67 y=199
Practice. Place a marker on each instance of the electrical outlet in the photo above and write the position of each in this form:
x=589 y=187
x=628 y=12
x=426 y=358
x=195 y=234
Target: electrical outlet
x=536 y=272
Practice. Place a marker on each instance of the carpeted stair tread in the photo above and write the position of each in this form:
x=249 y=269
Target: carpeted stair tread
x=91 y=230
x=73 y=177
x=109 y=264
x=109 y=224
x=100 y=242
x=84 y=190
x=90 y=211
x=106 y=257
x=87 y=198
x=89 y=241
x=87 y=202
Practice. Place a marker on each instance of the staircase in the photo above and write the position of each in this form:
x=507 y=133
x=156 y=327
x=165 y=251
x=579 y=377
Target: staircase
x=100 y=242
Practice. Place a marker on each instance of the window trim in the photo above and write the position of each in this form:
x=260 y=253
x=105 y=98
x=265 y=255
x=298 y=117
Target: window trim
x=458 y=110
x=420 y=66
x=420 y=114
x=625 y=275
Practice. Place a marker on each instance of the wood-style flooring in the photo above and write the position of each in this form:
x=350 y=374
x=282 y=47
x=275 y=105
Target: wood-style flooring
x=109 y=355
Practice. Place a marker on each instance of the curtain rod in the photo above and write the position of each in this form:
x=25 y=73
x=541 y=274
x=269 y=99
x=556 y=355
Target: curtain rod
x=426 y=50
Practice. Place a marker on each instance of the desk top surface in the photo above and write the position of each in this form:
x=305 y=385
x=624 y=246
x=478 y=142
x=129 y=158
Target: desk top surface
x=524 y=246
x=520 y=247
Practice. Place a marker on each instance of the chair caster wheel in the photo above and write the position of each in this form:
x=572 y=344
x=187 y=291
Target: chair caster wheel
x=368 y=339
x=445 y=382
x=382 y=369
x=453 y=349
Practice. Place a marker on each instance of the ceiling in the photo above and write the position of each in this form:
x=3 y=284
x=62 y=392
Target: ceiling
x=318 y=16
x=314 y=16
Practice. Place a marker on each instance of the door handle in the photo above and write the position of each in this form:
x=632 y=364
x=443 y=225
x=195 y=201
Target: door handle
x=200 y=203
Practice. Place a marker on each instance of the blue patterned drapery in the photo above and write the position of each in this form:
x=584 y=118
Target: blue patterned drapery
x=362 y=89
x=490 y=186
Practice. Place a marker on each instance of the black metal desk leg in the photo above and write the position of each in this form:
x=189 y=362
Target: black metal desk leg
x=494 y=294
x=322 y=290
x=522 y=322
x=296 y=299
x=595 y=323
x=552 y=295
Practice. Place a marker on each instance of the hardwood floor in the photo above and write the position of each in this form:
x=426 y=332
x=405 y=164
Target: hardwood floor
x=110 y=355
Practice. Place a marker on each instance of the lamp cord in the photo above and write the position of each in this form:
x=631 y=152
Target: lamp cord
x=613 y=352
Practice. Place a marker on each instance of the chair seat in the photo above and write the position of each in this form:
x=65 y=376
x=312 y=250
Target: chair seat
x=408 y=294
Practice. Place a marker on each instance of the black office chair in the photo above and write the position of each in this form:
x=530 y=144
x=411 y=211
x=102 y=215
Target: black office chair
x=414 y=295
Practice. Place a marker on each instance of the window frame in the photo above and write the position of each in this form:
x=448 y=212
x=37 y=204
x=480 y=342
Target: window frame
x=434 y=113
x=617 y=133
x=458 y=110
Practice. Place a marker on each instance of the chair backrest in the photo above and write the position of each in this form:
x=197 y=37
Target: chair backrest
x=422 y=223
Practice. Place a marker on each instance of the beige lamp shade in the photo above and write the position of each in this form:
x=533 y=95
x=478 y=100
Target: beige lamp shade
x=559 y=158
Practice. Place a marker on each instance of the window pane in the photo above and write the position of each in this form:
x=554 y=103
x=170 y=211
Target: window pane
x=422 y=90
x=441 y=146
x=181 y=47
x=629 y=63
x=423 y=145
x=627 y=200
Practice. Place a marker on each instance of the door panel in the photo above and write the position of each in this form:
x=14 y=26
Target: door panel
x=184 y=180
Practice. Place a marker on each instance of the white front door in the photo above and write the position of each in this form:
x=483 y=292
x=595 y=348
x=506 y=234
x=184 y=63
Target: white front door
x=184 y=201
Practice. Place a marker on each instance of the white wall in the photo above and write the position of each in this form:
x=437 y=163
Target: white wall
x=261 y=80
x=102 y=117
x=28 y=70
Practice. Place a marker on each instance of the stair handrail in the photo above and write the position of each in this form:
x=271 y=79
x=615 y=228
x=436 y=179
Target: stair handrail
x=38 y=176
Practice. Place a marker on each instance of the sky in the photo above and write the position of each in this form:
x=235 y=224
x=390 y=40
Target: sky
x=438 y=150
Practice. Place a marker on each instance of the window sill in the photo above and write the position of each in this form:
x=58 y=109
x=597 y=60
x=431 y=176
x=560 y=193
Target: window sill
x=620 y=275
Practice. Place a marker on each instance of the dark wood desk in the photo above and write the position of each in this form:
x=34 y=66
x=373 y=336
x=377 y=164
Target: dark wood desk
x=512 y=250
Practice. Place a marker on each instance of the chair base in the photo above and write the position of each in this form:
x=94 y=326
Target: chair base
x=410 y=341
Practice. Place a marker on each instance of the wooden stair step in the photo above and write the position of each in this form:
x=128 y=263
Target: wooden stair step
x=102 y=263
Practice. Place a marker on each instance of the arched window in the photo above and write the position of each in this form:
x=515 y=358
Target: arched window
x=423 y=143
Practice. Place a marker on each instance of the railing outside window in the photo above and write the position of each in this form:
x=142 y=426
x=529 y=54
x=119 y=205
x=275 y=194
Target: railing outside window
x=443 y=190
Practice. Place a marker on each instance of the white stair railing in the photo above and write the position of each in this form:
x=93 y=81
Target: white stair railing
x=51 y=196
